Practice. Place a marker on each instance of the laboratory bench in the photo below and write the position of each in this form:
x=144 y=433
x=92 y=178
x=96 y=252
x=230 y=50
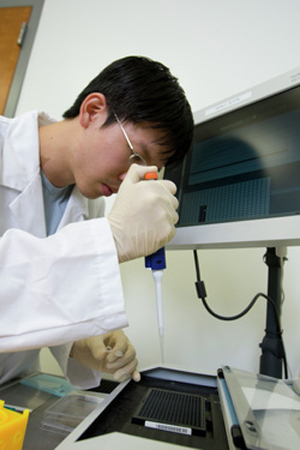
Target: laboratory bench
x=165 y=408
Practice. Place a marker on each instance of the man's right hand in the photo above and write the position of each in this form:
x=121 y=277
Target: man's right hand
x=144 y=215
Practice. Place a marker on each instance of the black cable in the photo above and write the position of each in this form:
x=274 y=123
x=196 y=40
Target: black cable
x=201 y=291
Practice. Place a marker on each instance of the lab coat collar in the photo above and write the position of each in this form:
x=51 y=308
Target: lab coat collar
x=21 y=149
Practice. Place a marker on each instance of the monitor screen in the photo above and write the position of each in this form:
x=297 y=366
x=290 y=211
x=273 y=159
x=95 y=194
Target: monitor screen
x=239 y=185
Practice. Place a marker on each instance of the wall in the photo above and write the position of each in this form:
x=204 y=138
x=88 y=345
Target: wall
x=216 y=49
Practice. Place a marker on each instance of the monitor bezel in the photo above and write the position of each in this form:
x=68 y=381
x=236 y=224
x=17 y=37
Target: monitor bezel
x=262 y=232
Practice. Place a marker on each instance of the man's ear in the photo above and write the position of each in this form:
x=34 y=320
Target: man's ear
x=93 y=105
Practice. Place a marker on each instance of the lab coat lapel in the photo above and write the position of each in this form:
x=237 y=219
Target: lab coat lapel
x=28 y=208
x=21 y=180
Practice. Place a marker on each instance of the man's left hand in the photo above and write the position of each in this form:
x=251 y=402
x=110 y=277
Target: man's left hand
x=111 y=353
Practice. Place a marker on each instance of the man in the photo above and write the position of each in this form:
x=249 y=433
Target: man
x=59 y=273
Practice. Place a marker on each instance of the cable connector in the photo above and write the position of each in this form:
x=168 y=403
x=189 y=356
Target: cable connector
x=200 y=288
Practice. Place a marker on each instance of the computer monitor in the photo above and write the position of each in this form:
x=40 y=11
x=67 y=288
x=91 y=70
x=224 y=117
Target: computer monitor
x=239 y=186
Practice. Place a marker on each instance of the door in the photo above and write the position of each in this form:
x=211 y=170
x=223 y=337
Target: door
x=18 y=24
x=13 y=25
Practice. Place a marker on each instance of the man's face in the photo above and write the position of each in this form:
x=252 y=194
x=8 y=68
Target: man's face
x=101 y=160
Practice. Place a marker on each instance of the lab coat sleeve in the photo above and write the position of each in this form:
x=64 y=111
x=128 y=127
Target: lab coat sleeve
x=79 y=376
x=61 y=288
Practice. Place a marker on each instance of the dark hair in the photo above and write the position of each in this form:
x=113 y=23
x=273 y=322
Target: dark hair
x=138 y=89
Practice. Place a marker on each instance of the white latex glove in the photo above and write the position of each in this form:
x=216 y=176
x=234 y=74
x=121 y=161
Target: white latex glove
x=144 y=215
x=111 y=353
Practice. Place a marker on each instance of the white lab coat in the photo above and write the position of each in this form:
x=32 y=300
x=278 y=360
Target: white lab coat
x=56 y=289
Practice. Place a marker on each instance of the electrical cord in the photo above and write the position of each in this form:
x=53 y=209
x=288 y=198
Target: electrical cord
x=201 y=291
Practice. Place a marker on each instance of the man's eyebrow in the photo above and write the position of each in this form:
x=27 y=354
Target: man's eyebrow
x=146 y=154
